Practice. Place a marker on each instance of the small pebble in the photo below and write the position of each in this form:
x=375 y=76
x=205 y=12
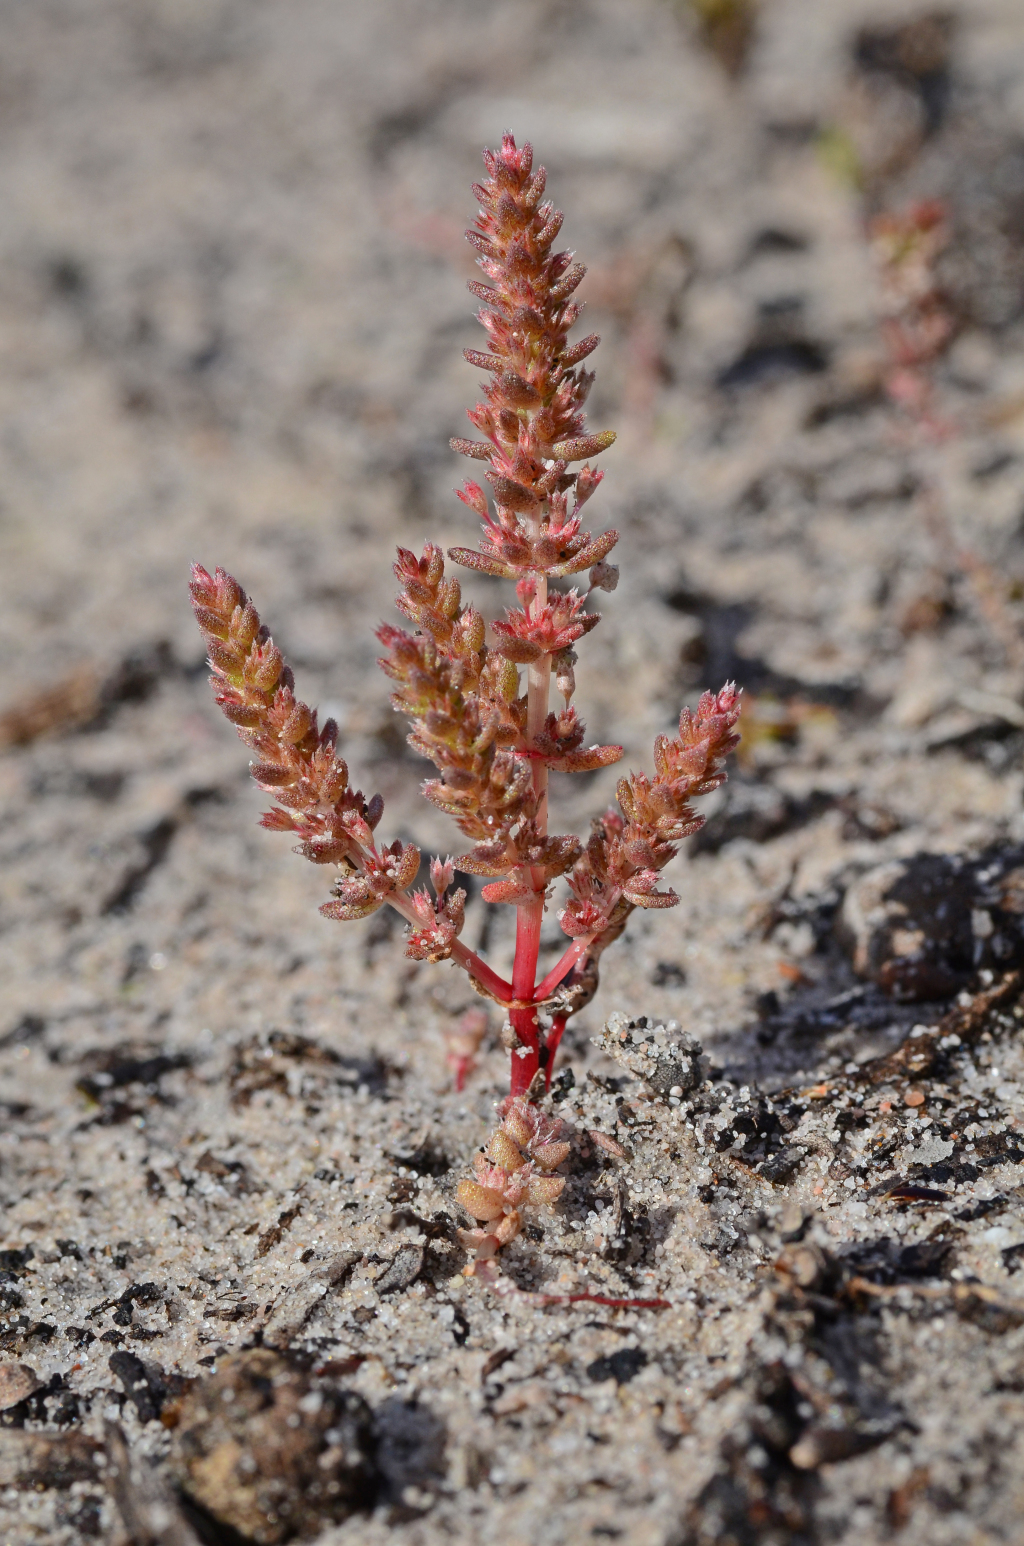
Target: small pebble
x=17 y=1381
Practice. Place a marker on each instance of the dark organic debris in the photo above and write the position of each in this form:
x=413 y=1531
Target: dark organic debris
x=886 y=1261
x=150 y=1513
x=67 y=705
x=426 y=1159
x=146 y=1384
x=401 y=1271
x=755 y=1134
x=85 y=698
x=107 y=1072
x=987 y=1308
x=135 y=1293
x=764 y=362
x=285 y=1060
x=439 y=1227
x=16 y=1258
x=273 y=1236
x=668 y=974
x=286 y=1319
x=47 y=1459
x=927 y=1052
x=714 y=653
x=907 y=1191
x=52 y=1403
x=796 y=1420
x=780 y=1166
x=621 y=1366
x=154 y=842
x=982 y=1207
x=29 y=1028
x=410 y=1453
x=916 y=54
x=152 y=847
x=271 y=1451
x=727 y=28
x=921 y=1055
x=232 y=1175
x=774 y=239
x=923 y=928
x=626 y=1231
x=31 y=1399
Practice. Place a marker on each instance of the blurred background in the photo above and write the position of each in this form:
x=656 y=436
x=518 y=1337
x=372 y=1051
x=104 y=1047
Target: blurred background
x=232 y=310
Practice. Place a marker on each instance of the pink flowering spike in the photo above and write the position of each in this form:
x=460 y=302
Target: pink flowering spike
x=533 y=415
x=293 y=757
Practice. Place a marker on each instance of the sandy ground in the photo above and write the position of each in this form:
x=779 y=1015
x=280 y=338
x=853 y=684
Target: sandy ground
x=232 y=307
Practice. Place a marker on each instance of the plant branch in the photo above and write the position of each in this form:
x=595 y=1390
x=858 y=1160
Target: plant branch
x=466 y=958
x=558 y=973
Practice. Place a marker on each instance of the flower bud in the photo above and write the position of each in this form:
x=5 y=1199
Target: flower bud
x=442 y=873
x=513 y=496
x=245 y=625
x=267 y=667
x=297 y=724
x=408 y=867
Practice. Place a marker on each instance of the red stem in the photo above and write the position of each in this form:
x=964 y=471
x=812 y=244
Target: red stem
x=564 y=967
x=482 y=972
x=530 y=915
x=467 y=959
x=524 y=973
